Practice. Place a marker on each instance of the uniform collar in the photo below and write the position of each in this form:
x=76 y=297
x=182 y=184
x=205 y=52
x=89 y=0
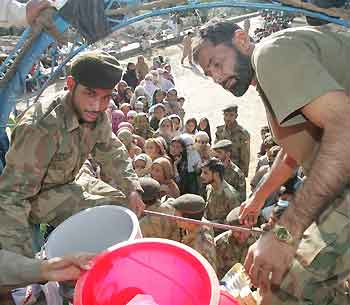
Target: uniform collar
x=71 y=119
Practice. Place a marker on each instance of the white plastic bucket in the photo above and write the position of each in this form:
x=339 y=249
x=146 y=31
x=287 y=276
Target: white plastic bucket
x=93 y=230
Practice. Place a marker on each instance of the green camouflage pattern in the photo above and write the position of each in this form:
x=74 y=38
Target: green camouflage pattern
x=160 y=227
x=48 y=148
x=229 y=252
x=240 y=139
x=322 y=264
x=235 y=177
x=221 y=202
x=202 y=240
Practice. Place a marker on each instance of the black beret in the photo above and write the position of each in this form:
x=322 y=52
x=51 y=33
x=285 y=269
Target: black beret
x=96 y=69
x=233 y=217
x=231 y=108
x=151 y=189
x=189 y=204
x=222 y=144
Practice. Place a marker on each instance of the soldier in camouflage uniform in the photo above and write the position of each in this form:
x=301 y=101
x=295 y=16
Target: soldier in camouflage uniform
x=233 y=174
x=239 y=137
x=221 y=197
x=231 y=246
x=49 y=145
x=200 y=238
x=152 y=226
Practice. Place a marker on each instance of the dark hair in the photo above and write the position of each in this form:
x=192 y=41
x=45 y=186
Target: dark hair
x=129 y=64
x=196 y=216
x=207 y=129
x=215 y=166
x=193 y=120
x=216 y=31
x=154 y=96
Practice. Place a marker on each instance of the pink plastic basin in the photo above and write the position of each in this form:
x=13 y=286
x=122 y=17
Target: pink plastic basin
x=227 y=299
x=172 y=273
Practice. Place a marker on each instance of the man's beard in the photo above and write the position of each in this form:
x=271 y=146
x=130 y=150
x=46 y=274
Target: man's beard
x=244 y=74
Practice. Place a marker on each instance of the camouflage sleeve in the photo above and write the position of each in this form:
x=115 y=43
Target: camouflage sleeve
x=245 y=153
x=232 y=200
x=116 y=166
x=27 y=160
x=242 y=187
x=17 y=270
x=205 y=245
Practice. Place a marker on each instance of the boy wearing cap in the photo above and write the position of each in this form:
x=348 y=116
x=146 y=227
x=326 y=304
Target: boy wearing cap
x=198 y=237
x=50 y=143
x=231 y=246
x=233 y=174
x=151 y=226
x=239 y=137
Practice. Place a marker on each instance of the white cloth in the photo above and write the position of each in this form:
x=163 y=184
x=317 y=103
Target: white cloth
x=149 y=88
x=165 y=84
x=12 y=13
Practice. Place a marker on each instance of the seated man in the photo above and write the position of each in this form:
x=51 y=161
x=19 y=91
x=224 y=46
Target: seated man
x=221 y=197
x=200 y=238
x=231 y=246
x=233 y=174
x=151 y=226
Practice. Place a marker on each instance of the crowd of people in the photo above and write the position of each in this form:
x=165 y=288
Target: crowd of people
x=185 y=167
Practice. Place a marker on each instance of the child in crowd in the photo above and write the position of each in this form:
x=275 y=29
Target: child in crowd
x=139 y=107
x=191 y=126
x=205 y=126
x=126 y=137
x=131 y=116
x=158 y=112
x=202 y=145
x=142 y=127
x=154 y=148
x=118 y=94
x=176 y=124
x=142 y=164
x=149 y=86
x=125 y=108
x=117 y=117
x=129 y=92
x=158 y=97
x=162 y=171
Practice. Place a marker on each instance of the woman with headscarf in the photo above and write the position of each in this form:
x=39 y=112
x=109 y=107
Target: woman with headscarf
x=117 y=117
x=125 y=108
x=162 y=171
x=131 y=116
x=158 y=97
x=154 y=148
x=205 y=126
x=142 y=126
x=126 y=125
x=130 y=75
x=125 y=136
x=148 y=85
x=139 y=91
x=157 y=112
x=141 y=68
x=118 y=94
x=142 y=164
x=177 y=126
x=128 y=94
x=202 y=145
x=165 y=130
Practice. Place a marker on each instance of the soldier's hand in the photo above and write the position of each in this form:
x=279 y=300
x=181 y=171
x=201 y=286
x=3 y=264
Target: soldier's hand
x=34 y=7
x=67 y=268
x=136 y=204
x=250 y=211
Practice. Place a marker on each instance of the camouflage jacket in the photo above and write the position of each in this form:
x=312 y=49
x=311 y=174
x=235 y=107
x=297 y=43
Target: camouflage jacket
x=221 y=202
x=48 y=148
x=240 y=139
x=230 y=252
x=235 y=177
x=160 y=227
x=202 y=240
